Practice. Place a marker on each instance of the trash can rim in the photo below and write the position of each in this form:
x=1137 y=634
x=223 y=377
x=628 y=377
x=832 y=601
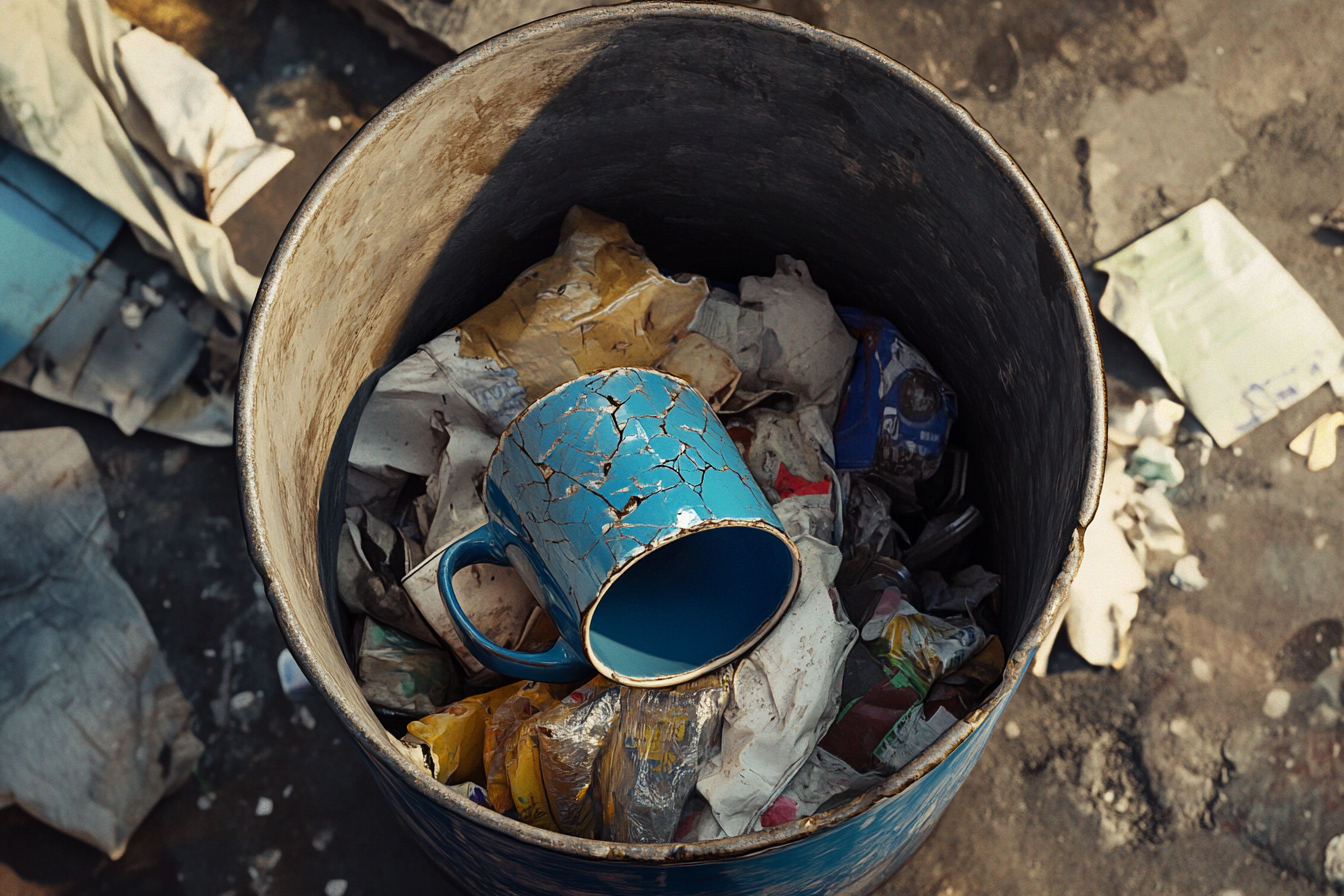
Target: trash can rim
x=376 y=743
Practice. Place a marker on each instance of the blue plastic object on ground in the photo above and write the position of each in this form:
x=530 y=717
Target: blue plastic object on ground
x=51 y=233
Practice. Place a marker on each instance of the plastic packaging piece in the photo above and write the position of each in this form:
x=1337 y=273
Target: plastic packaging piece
x=923 y=647
x=1233 y=334
x=1318 y=442
x=400 y=673
x=861 y=600
x=522 y=765
x=661 y=739
x=704 y=365
x=501 y=731
x=598 y=302
x=455 y=736
x=873 y=698
x=571 y=738
x=821 y=780
x=961 y=691
x=784 y=696
x=1152 y=462
x=897 y=412
x=472 y=791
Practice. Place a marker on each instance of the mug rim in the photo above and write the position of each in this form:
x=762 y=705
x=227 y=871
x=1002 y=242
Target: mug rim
x=762 y=631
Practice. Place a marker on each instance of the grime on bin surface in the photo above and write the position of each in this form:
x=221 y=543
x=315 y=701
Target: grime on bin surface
x=846 y=428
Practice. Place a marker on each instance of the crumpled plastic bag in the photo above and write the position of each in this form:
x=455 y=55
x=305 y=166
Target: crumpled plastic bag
x=501 y=730
x=661 y=740
x=571 y=737
x=784 y=696
x=598 y=302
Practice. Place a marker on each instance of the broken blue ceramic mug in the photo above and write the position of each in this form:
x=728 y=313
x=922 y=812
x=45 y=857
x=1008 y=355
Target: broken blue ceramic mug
x=623 y=503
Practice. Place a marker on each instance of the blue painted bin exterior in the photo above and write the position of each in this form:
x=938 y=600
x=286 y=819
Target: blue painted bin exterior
x=722 y=136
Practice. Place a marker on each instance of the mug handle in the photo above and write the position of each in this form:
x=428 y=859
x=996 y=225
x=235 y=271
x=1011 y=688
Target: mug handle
x=559 y=664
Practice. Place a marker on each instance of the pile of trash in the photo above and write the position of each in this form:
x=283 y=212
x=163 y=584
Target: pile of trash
x=890 y=639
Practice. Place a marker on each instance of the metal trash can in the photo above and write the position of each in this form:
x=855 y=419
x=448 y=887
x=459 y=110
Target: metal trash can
x=722 y=136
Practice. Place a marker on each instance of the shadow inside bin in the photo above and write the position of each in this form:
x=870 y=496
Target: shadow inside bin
x=718 y=163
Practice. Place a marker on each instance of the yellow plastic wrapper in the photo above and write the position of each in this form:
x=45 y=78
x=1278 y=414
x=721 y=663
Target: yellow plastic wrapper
x=661 y=739
x=598 y=302
x=923 y=647
x=571 y=738
x=522 y=763
x=501 y=727
x=456 y=735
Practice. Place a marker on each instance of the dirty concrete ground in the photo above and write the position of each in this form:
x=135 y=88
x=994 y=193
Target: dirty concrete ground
x=1166 y=776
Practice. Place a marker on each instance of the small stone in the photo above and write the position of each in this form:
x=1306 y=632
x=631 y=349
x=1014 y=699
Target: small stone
x=335 y=887
x=1320 y=540
x=1334 y=861
x=1277 y=702
x=1315 y=219
x=132 y=314
x=1226 y=169
x=323 y=839
x=167 y=604
x=1298 y=95
x=1230 y=893
x=1217 y=522
x=1186 y=575
x=1339 y=250
x=1180 y=728
x=1122 y=805
x=1051 y=134
x=349 y=69
x=289 y=788
x=1219 y=50
x=267 y=860
x=265 y=806
x=306 y=718
x=334 y=122
x=174 y=459
x=1236 y=451
x=1108 y=797
x=1012 y=730
x=1201 y=669
x=203 y=802
x=209 y=653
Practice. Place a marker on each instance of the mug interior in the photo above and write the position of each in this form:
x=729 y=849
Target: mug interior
x=691 y=604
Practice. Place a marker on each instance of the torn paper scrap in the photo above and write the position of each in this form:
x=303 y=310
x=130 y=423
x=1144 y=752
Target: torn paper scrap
x=598 y=302
x=704 y=365
x=1231 y=331
x=1317 y=443
x=208 y=145
x=804 y=347
x=93 y=727
x=404 y=427
x=784 y=696
x=1186 y=575
x=403 y=674
x=65 y=100
x=1104 y=597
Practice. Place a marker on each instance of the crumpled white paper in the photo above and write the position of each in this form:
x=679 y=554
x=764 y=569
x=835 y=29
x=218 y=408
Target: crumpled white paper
x=784 y=697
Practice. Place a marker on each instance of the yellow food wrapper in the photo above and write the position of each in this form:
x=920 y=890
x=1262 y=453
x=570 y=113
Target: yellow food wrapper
x=570 y=738
x=501 y=727
x=522 y=761
x=598 y=302
x=456 y=735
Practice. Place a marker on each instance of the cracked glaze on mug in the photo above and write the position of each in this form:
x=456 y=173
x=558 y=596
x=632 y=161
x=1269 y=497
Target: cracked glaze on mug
x=606 y=468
